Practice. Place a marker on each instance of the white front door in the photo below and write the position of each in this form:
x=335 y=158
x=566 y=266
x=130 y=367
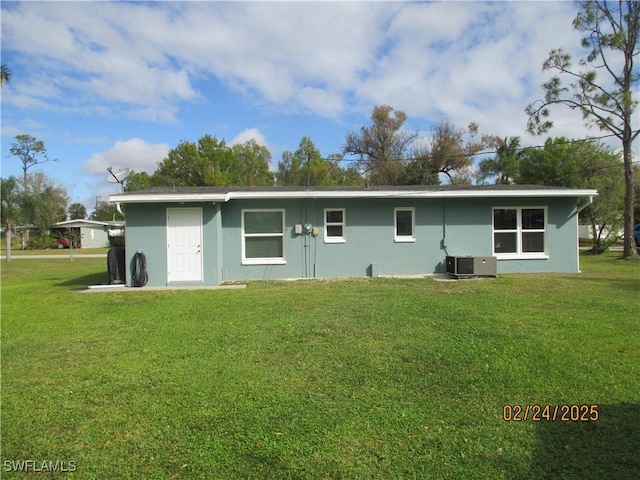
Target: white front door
x=184 y=244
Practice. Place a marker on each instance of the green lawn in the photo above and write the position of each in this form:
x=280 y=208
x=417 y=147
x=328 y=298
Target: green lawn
x=362 y=378
x=52 y=251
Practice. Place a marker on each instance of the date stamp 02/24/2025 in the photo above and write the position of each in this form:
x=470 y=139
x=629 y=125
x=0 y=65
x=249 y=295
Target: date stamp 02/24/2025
x=550 y=413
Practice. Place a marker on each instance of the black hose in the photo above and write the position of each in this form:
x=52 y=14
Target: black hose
x=139 y=275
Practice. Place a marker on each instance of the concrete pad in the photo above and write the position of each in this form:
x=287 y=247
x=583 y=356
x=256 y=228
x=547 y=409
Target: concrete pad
x=124 y=288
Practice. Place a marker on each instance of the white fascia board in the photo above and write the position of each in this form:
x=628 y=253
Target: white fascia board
x=77 y=222
x=517 y=193
x=169 y=198
x=265 y=195
x=414 y=194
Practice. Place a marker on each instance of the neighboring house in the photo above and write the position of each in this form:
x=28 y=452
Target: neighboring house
x=91 y=233
x=209 y=235
x=585 y=232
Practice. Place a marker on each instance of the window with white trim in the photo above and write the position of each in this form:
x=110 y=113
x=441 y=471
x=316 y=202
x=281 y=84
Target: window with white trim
x=405 y=224
x=334 y=225
x=520 y=232
x=263 y=237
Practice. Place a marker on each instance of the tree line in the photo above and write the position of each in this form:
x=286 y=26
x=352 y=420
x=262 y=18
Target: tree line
x=385 y=154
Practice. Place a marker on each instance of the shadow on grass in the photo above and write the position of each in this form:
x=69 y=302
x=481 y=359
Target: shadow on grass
x=78 y=283
x=606 y=448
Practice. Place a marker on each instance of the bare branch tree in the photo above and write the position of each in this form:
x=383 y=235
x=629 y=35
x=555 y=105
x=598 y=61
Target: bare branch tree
x=382 y=145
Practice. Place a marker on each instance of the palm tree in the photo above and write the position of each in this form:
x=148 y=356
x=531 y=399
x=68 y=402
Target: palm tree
x=77 y=211
x=505 y=165
x=5 y=75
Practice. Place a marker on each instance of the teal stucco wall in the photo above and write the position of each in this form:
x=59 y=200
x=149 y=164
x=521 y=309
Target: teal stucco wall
x=369 y=233
x=442 y=227
x=468 y=231
x=146 y=230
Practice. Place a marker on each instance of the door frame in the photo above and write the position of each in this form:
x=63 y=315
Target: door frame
x=178 y=211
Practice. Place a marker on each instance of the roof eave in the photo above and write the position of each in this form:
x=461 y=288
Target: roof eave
x=311 y=194
x=168 y=198
x=71 y=223
x=415 y=194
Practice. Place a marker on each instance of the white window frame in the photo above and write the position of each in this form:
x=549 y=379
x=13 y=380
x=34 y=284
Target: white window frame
x=263 y=260
x=404 y=238
x=343 y=224
x=519 y=230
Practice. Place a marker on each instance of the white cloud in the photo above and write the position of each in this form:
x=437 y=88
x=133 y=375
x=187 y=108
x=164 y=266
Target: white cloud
x=469 y=61
x=24 y=126
x=80 y=48
x=321 y=101
x=249 y=134
x=133 y=153
x=479 y=61
x=148 y=56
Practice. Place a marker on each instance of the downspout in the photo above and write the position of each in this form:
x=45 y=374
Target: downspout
x=119 y=210
x=444 y=226
x=307 y=247
x=578 y=210
x=585 y=205
x=443 y=243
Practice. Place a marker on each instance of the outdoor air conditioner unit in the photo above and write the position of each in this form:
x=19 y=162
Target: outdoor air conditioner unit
x=467 y=266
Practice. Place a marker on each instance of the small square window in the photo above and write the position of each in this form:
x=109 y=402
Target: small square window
x=506 y=242
x=532 y=242
x=505 y=219
x=263 y=237
x=532 y=219
x=405 y=225
x=334 y=225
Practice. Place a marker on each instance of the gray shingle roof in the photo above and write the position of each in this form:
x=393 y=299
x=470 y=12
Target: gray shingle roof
x=338 y=189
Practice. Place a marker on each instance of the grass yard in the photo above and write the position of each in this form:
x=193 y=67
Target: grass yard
x=63 y=252
x=353 y=379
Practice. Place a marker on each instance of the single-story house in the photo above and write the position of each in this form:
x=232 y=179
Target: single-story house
x=91 y=233
x=210 y=235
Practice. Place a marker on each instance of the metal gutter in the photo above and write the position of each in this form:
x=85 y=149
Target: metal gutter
x=320 y=194
x=168 y=198
x=413 y=194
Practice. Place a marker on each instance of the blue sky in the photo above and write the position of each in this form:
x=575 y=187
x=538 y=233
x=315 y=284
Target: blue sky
x=119 y=84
